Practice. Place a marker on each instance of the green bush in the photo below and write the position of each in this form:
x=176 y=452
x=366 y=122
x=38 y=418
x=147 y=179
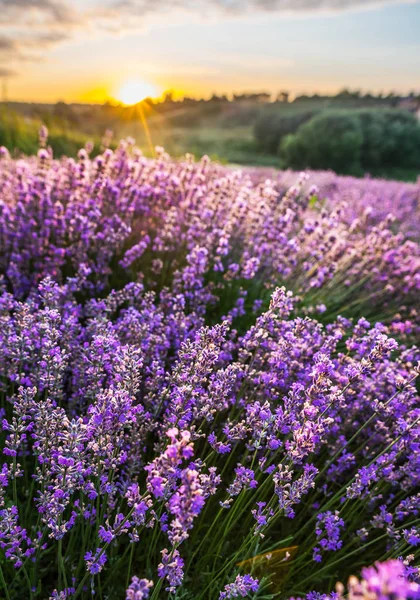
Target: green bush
x=373 y=126
x=355 y=141
x=331 y=140
x=391 y=139
x=401 y=144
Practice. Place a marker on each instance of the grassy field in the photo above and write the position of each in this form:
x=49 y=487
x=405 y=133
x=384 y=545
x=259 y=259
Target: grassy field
x=233 y=144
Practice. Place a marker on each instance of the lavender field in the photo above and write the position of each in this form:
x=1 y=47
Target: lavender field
x=209 y=381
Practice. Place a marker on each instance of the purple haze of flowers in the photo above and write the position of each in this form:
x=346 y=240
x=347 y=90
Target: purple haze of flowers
x=384 y=581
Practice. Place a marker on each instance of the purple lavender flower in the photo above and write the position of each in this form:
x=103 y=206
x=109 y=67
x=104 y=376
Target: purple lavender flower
x=240 y=588
x=95 y=561
x=244 y=479
x=139 y=589
x=328 y=534
x=63 y=594
x=171 y=568
x=185 y=504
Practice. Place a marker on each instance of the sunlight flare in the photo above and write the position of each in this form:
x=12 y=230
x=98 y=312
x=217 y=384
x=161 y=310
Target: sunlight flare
x=135 y=91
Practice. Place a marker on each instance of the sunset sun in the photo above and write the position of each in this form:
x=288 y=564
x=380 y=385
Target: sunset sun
x=135 y=91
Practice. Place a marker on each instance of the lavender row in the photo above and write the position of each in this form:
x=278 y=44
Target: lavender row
x=120 y=218
x=379 y=197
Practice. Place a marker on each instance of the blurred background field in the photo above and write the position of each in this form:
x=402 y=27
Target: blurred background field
x=351 y=133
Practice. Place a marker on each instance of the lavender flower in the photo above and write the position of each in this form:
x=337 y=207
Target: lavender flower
x=139 y=589
x=171 y=568
x=328 y=534
x=240 y=588
x=95 y=561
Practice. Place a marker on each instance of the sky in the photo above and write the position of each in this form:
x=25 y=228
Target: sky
x=93 y=50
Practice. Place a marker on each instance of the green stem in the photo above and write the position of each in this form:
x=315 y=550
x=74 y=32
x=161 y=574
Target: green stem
x=130 y=562
x=3 y=582
x=62 y=568
x=156 y=591
x=28 y=581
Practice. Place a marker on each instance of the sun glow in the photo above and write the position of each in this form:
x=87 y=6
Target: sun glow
x=135 y=91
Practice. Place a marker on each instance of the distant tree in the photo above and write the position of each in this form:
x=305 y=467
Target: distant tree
x=302 y=98
x=283 y=97
x=348 y=94
x=64 y=113
x=168 y=96
x=216 y=98
x=263 y=97
x=256 y=97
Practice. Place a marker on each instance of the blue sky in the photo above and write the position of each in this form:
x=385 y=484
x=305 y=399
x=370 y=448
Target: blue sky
x=206 y=46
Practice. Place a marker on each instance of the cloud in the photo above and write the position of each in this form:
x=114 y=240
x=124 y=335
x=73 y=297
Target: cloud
x=42 y=40
x=29 y=28
x=4 y=72
x=18 y=12
x=7 y=44
x=301 y=6
x=137 y=8
x=256 y=61
x=181 y=70
x=120 y=16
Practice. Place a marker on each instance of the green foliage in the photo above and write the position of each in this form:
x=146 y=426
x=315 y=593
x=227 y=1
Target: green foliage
x=16 y=134
x=391 y=138
x=272 y=127
x=21 y=136
x=330 y=140
x=355 y=141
